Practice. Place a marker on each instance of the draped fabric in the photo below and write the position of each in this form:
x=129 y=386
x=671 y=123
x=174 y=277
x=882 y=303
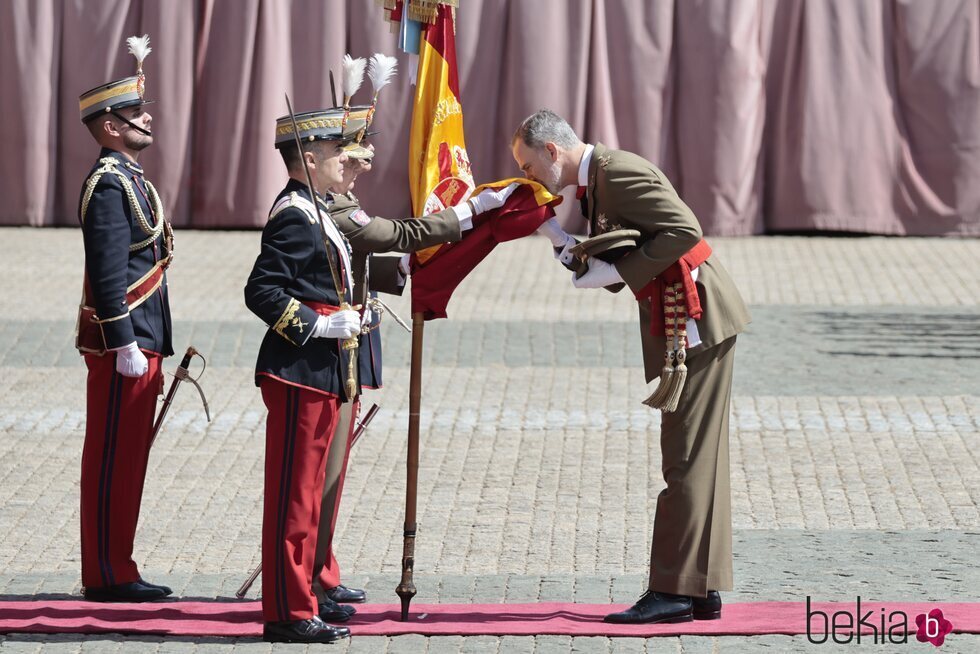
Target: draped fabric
x=768 y=115
x=433 y=282
x=439 y=174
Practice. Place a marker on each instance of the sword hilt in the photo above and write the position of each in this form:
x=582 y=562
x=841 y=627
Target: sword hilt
x=183 y=374
x=188 y=355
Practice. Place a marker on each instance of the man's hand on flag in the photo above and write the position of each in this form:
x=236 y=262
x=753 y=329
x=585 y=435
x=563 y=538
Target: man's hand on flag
x=490 y=198
x=486 y=200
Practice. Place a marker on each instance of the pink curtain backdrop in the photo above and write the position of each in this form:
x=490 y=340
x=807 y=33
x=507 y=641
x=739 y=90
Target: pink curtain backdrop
x=768 y=115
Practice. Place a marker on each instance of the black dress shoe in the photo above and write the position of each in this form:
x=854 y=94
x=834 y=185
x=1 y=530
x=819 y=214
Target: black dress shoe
x=132 y=591
x=345 y=595
x=655 y=608
x=166 y=589
x=330 y=611
x=707 y=608
x=313 y=630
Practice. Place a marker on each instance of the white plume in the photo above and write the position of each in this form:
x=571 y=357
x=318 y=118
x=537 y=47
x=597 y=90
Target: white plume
x=139 y=47
x=353 y=75
x=380 y=71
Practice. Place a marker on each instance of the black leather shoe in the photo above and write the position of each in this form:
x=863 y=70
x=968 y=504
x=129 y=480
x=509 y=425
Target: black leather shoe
x=345 y=595
x=654 y=608
x=330 y=611
x=166 y=589
x=132 y=591
x=707 y=608
x=313 y=630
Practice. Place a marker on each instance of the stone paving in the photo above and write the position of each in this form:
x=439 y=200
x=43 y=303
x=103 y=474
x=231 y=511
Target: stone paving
x=854 y=448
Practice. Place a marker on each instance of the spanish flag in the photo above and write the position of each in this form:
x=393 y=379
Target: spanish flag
x=440 y=175
x=524 y=212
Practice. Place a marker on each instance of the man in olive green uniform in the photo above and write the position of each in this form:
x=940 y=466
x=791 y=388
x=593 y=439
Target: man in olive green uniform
x=368 y=235
x=691 y=556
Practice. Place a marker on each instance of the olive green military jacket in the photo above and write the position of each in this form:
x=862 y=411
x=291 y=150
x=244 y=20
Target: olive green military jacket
x=625 y=191
x=368 y=234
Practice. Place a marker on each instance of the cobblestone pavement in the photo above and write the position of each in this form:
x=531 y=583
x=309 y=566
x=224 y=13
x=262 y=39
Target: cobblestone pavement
x=854 y=449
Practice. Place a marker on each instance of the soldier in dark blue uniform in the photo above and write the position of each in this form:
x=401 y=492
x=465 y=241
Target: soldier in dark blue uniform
x=123 y=331
x=298 y=286
x=304 y=370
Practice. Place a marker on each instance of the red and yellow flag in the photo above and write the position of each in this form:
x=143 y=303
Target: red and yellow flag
x=439 y=173
x=439 y=169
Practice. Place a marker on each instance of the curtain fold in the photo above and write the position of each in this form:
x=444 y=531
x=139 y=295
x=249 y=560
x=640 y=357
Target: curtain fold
x=768 y=115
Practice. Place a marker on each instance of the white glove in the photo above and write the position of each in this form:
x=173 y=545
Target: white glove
x=486 y=200
x=130 y=362
x=600 y=274
x=561 y=242
x=491 y=198
x=342 y=324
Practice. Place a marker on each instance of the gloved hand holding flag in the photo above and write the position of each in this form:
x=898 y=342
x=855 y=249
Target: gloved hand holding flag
x=523 y=212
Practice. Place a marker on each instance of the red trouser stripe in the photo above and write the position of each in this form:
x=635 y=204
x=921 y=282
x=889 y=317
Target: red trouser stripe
x=119 y=423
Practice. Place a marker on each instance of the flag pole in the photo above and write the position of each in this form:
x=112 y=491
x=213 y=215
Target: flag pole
x=406 y=589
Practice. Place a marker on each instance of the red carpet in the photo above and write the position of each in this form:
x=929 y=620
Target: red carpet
x=242 y=619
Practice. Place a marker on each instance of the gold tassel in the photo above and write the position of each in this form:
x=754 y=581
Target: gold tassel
x=677 y=383
x=680 y=355
x=657 y=398
x=662 y=394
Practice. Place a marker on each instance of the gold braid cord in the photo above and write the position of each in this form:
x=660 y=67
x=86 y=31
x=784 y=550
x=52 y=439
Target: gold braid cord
x=659 y=397
x=109 y=166
x=680 y=351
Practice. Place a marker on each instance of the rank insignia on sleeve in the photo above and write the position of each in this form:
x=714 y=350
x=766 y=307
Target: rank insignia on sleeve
x=360 y=217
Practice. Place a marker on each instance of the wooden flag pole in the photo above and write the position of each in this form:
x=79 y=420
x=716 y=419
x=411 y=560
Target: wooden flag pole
x=406 y=589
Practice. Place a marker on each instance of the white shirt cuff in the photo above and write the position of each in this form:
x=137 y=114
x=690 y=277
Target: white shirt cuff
x=465 y=216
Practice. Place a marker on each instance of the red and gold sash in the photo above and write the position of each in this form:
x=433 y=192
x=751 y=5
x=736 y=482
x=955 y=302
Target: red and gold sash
x=657 y=290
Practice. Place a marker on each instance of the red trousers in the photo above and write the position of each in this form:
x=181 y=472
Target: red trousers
x=118 y=426
x=299 y=428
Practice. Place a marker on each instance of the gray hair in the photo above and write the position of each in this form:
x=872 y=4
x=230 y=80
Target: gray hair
x=543 y=126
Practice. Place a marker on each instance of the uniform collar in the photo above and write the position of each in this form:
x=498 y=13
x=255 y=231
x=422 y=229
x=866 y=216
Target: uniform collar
x=126 y=162
x=296 y=186
x=583 y=165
